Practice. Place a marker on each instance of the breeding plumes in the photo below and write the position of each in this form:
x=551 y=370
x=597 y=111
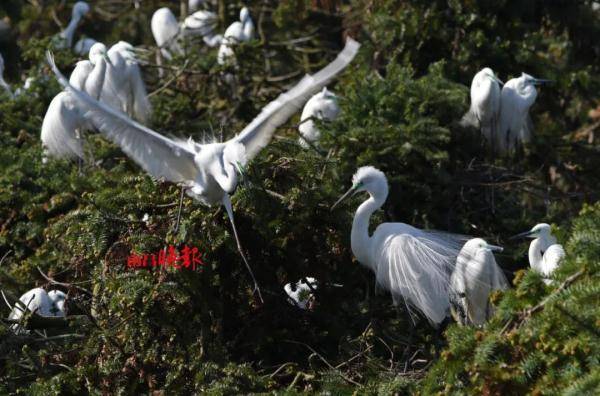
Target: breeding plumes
x=414 y=265
x=485 y=106
x=301 y=293
x=64 y=124
x=39 y=302
x=545 y=254
x=209 y=171
x=322 y=106
x=475 y=276
x=515 y=126
x=238 y=32
x=3 y=83
x=80 y=9
x=124 y=88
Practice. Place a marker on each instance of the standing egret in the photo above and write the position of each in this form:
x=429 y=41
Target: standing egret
x=412 y=264
x=165 y=30
x=515 y=127
x=3 y=83
x=301 y=292
x=237 y=32
x=545 y=254
x=38 y=301
x=476 y=275
x=208 y=171
x=80 y=9
x=63 y=123
x=485 y=105
x=322 y=106
x=124 y=88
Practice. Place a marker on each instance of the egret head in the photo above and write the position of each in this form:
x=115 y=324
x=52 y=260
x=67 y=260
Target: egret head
x=369 y=179
x=475 y=244
x=125 y=49
x=489 y=73
x=244 y=14
x=539 y=230
x=235 y=154
x=98 y=52
x=80 y=9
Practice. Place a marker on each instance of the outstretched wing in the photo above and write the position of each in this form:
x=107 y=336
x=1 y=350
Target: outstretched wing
x=156 y=154
x=259 y=132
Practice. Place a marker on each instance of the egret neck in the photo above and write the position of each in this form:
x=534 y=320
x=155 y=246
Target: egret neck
x=359 y=237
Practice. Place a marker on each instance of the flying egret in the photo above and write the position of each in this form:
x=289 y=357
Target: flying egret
x=475 y=276
x=3 y=83
x=63 y=123
x=237 y=32
x=485 y=105
x=124 y=88
x=301 y=292
x=515 y=126
x=80 y=9
x=208 y=171
x=545 y=254
x=322 y=106
x=412 y=264
x=83 y=45
x=38 y=301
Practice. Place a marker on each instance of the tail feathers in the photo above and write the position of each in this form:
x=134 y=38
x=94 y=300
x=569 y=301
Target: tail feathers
x=469 y=120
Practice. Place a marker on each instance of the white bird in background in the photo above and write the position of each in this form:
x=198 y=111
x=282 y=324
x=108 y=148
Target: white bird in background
x=3 y=83
x=301 y=292
x=208 y=171
x=165 y=30
x=80 y=9
x=26 y=86
x=194 y=5
x=414 y=265
x=84 y=45
x=322 y=106
x=515 y=127
x=545 y=254
x=64 y=124
x=485 y=105
x=124 y=88
x=475 y=276
x=38 y=301
x=238 y=32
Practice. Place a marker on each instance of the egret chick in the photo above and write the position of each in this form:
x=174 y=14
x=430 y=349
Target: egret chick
x=301 y=293
x=413 y=264
x=545 y=254
x=476 y=276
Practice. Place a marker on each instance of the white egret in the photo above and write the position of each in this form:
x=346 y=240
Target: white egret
x=545 y=254
x=208 y=171
x=200 y=23
x=38 y=301
x=165 y=30
x=476 y=276
x=26 y=86
x=83 y=45
x=63 y=123
x=124 y=88
x=515 y=126
x=414 y=265
x=80 y=9
x=322 y=106
x=301 y=292
x=485 y=105
x=237 y=32
x=3 y=83
x=194 y=5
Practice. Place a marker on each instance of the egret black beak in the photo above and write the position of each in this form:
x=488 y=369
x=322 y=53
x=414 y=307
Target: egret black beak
x=348 y=193
x=495 y=248
x=526 y=234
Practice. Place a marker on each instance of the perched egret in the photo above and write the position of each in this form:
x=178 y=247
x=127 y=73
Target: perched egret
x=83 y=45
x=208 y=171
x=80 y=9
x=301 y=292
x=485 y=105
x=38 y=301
x=64 y=123
x=3 y=83
x=412 y=264
x=165 y=30
x=545 y=254
x=237 y=32
x=200 y=23
x=515 y=127
x=476 y=275
x=124 y=88
x=322 y=106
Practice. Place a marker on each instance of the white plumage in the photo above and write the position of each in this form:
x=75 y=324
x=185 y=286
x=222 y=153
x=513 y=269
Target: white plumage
x=80 y=9
x=238 y=32
x=165 y=30
x=209 y=171
x=84 y=45
x=322 y=106
x=3 y=83
x=545 y=254
x=476 y=276
x=413 y=264
x=301 y=292
x=38 y=301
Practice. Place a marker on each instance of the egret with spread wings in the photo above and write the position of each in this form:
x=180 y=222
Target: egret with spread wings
x=209 y=171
